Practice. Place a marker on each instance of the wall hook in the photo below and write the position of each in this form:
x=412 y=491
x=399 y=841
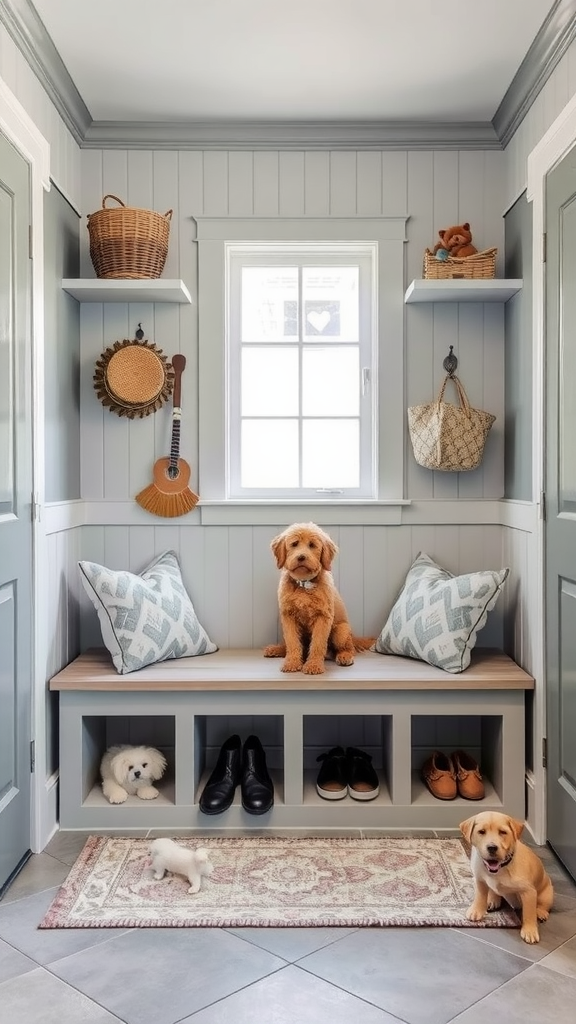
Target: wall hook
x=450 y=364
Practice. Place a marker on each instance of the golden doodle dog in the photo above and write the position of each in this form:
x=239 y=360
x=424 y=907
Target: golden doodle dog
x=505 y=868
x=312 y=613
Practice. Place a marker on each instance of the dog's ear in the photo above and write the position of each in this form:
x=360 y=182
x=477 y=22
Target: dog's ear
x=119 y=766
x=329 y=552
x=157 y=764
x=516 y=826
x=467 y=828
x=278 y=547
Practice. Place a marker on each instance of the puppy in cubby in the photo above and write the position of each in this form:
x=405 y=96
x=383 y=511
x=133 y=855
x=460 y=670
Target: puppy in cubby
x=166 y=855
x=130 y=771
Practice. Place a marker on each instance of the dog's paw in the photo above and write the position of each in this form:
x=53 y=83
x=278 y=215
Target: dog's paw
x=344 y=658
x=147 y=793
x=542 y=914
x=313 y=668
x=475 y=913
x=275 y=651
x=529 y=933
x=117 y=796
x=494 y=902
x=292 y=665
x=193 y=889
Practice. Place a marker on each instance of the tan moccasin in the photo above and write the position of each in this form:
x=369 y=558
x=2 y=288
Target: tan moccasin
x=468 y=776
x=439 y=775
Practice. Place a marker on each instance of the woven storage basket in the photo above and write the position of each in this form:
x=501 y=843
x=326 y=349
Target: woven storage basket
x=480 y=265
x=127 y=242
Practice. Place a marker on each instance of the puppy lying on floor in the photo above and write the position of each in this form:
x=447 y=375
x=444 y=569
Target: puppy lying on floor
x=312 y=613
x=504 y=867
x=166 y=855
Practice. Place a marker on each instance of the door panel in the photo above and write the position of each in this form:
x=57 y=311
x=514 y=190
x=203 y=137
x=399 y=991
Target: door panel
x=15 y=511
x=561 y=507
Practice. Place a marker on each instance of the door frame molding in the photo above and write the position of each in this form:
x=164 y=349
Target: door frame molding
x=552 y=147
x=21 y=131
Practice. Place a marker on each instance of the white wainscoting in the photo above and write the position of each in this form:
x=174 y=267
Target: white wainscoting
x=64 y=151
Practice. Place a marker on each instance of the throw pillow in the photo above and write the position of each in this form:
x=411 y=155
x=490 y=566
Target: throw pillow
x=145 y=618
x=437 y=616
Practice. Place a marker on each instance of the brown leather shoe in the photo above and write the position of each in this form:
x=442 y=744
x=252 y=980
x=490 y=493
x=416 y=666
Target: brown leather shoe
x=468 y=776
x=439 y=775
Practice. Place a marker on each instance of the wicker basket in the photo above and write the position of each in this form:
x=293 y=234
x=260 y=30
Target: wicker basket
x=128 y=242
x=480 y=265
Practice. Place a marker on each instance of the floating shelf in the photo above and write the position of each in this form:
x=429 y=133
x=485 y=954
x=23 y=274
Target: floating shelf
x=492 y=290
x=95 y=289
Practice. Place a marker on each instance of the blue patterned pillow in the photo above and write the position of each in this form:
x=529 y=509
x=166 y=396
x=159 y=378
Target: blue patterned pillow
x=145 y=618
x=437 y=616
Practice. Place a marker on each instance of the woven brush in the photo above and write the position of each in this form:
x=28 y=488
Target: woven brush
x=169 y=495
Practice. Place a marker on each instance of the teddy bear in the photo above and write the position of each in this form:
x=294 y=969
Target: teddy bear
x=455 y=241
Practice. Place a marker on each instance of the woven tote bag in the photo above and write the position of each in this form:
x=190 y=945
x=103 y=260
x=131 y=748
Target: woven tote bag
x=449 y=437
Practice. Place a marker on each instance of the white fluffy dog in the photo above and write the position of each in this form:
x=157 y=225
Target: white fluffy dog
x=128 y=771
x=166 y=855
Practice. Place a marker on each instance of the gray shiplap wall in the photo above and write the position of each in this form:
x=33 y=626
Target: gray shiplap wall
x=519 y=357
x=62 y=350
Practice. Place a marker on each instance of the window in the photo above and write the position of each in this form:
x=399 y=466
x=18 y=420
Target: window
x=301 y=356
x=300 y=359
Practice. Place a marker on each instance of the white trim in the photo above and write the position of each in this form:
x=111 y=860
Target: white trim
x=16 y=124
x=553 y=146
x=63 y=515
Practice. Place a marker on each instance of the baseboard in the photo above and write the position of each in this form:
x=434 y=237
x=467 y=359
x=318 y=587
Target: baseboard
x=48 y=813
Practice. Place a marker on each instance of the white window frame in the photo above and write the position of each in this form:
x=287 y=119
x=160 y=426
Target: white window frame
x=213 y=233
x=362 y=255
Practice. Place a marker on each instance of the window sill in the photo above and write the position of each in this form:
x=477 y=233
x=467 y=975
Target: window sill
x=330 y=512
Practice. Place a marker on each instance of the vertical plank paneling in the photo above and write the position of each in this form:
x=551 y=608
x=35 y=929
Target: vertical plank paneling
x=141 y=450
x=343 y=183
x=395 y=183
x=116 y=428
x=240 y=586
x=494 y=398
x=445 y=333
x=266 y=184
x=369 y=185
x=165 y=198
x=190 y=185
x=376 y=582
x=471 y=373
x=351 y=576
x=215 y=177
x=471 y=196
x=92 y=412
x=266 y=577
x=317 y=184
x=241 y=184
x=217 y=609
x=92 y=195
x=291 y=184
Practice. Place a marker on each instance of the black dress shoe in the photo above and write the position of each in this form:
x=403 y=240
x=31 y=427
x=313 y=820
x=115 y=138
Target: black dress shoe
x=218 y=793
x=332 y=781
x=257 y=786
x=363 y=783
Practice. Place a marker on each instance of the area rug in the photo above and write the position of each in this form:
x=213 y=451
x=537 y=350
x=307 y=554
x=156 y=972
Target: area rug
x=270 y=882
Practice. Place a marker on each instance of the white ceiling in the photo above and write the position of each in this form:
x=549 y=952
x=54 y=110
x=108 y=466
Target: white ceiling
x=205 y=60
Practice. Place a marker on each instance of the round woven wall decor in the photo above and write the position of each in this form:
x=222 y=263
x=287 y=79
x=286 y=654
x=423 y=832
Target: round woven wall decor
x=133 y=378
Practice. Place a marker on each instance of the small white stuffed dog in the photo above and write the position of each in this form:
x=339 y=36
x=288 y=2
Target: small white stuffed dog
x=166 y=855
x=128 y=771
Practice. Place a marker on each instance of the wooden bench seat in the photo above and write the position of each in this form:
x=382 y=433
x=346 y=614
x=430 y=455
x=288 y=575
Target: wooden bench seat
x=188 y=706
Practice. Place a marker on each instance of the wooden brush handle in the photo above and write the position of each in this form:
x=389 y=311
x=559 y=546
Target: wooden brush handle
x=178 y=365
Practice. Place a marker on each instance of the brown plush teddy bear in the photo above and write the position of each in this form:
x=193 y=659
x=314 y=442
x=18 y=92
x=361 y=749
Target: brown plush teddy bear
x=456 y=241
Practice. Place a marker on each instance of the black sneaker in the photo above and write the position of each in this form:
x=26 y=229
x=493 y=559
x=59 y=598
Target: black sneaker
x=363 y=783
x=332 y=781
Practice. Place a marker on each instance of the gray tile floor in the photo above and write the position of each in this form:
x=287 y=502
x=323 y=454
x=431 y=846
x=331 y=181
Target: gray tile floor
x=277 y=976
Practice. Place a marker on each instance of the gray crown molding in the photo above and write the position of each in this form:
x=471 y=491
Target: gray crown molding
x=548 y=48
x=291 y=135
x=25 y=27
x=23 y=24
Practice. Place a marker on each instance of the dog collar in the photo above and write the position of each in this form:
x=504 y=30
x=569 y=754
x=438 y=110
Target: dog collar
x=305 y=584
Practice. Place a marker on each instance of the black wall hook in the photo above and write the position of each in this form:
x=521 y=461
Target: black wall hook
x=450 y=364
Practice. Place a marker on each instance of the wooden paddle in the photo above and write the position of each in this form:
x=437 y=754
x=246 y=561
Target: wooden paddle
x=169 y=495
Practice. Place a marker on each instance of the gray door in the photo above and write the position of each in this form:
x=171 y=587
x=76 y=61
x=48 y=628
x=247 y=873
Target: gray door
x=561 y=507
x=15 y=511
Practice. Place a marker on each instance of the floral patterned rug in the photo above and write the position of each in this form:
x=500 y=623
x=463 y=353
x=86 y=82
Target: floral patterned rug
x=274 y=882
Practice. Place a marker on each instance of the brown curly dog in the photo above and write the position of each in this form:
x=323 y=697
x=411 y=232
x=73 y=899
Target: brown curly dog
x=312 y=613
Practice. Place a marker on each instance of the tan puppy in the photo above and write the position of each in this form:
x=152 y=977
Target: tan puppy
x=504 y=867
x=312 y=613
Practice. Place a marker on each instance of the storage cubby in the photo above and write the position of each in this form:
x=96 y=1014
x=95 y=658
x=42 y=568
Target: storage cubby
x=396 y=709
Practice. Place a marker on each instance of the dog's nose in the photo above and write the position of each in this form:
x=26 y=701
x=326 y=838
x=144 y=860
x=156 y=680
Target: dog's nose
x=492 y=848
x=137 y=774
x=301 y=558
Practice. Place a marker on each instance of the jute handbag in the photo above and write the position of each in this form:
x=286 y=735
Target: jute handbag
x=449 y=437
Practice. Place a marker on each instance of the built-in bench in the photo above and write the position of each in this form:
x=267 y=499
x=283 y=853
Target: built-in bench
x=184 y=706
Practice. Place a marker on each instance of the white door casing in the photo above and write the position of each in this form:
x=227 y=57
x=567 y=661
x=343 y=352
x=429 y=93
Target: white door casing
x=21 y=131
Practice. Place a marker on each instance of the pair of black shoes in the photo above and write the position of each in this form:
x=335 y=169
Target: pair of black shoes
x=236 y=764
x=347 y=773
